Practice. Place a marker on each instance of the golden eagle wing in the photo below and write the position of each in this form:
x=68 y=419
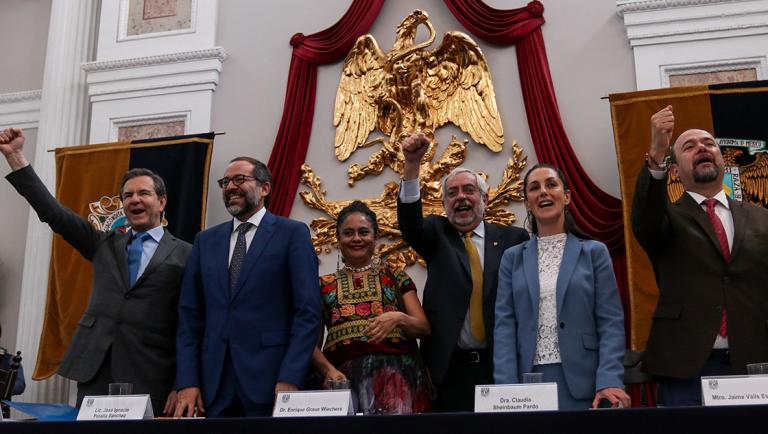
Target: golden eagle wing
x=459 y=90
x=754 y=179
x=355 y=110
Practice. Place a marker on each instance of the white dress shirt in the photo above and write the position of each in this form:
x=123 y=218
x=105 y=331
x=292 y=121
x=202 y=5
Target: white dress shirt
x=255 y=220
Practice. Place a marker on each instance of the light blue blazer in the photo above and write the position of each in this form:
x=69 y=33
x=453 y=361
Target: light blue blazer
x=589 y=316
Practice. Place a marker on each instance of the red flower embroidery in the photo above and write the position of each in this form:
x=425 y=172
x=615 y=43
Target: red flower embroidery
x=376 y=308
x=328 y=288
x=385 y=280
x=363 y=309
x=389 y=308
x=347 y=310
x=335 y=315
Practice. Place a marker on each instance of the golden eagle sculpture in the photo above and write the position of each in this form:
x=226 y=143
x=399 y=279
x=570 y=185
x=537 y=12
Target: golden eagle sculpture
x=412 y=89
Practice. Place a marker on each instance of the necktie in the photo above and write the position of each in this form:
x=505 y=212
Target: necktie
x=476 y=323
x=238 y=255
x=722 y=238
x=134 y=256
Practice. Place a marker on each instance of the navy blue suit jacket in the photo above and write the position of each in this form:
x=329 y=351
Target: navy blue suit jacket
x=589 y=316
x=269 y=325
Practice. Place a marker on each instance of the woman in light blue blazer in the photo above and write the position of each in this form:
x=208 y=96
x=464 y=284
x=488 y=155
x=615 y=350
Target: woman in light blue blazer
x=557 y=307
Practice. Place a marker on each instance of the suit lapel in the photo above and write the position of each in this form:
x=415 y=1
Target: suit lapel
x=120 y=244
x=491 y=255
x=693 y=210
x=221 y=256
x=164 y=248
x=264 y=232
x=739 y=225
x=531 y=269
x=567 y=266
x=454 y=238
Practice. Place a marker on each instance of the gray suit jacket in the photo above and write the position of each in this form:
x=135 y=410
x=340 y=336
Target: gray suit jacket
x=138 y=323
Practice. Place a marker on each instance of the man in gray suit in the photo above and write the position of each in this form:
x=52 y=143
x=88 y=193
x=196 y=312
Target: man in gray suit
x=127 y=333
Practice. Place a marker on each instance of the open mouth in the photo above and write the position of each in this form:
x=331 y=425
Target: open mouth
x=233 y=196
x=703 y=159
x=546 y=203
x=463 y=207
x=135 y=212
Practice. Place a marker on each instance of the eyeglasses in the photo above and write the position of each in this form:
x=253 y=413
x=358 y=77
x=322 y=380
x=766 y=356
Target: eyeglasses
x=238 y=180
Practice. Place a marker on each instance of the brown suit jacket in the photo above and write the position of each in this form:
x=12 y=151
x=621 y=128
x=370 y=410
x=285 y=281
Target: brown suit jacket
x=695 y=281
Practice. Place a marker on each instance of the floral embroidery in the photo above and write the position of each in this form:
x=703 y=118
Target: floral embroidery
x=363 y=309
x=351 y=300
x=376 y=308
x=347 y=310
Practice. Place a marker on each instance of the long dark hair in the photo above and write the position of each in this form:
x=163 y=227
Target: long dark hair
x=570 y=223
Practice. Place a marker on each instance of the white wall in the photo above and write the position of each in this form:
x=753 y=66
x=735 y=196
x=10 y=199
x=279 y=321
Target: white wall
x=23 y=36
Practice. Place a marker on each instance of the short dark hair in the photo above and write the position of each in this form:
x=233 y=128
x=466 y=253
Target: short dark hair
x=260 y=172
x=362 y=208
x=140 y=171
x=570 y=223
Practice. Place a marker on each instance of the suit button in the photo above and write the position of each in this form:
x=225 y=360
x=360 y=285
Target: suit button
x=127 y=296
x=562 y=324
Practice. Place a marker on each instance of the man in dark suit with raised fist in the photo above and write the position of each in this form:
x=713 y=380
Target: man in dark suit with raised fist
x=462 y=253
x=127 y=332
x=710 y=256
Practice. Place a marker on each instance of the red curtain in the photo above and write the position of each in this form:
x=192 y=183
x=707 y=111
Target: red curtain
x=596 y=212
x=292 y=141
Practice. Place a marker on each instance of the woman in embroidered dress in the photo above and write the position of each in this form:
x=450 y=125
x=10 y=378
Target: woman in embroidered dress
x=373 y=317
x=557 y=308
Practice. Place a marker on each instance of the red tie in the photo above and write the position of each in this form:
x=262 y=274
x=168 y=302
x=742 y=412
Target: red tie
x=722 y=238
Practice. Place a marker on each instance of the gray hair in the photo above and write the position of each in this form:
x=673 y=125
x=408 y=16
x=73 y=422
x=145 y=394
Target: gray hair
x=481 y=184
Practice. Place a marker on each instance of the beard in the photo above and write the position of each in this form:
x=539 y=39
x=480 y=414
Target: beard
x=478 y=211
x=705 y=176
x=250 y=203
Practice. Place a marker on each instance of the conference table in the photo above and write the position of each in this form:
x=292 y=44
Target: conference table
x=699 y=420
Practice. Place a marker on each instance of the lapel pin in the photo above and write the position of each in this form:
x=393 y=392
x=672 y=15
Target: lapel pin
x=495 y=243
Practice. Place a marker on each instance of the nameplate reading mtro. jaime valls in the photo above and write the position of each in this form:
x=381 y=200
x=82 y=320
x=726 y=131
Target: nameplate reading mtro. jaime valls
x=515 y=397
x=116 y=407
x=734 y=390
x=313 y=403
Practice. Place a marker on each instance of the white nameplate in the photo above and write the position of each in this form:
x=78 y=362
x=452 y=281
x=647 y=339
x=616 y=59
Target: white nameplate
x=515 y=397
x=116 y=407
x=734 y=390
x=313 y=403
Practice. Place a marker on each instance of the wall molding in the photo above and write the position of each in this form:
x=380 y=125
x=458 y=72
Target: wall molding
x=215 y=53
x=189 y=71
x=690 y=36
x=20 y=109
x=627 y=6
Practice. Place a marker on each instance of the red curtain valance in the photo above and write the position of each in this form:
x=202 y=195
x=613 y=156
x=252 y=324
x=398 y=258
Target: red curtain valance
x=292 y=141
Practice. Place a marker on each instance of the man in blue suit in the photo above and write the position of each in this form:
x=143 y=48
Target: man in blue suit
x=249 y=311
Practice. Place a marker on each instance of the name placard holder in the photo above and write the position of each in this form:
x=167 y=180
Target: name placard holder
x=116 y=407
x=734 y=390
x=515 y=397
x=314 y=403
